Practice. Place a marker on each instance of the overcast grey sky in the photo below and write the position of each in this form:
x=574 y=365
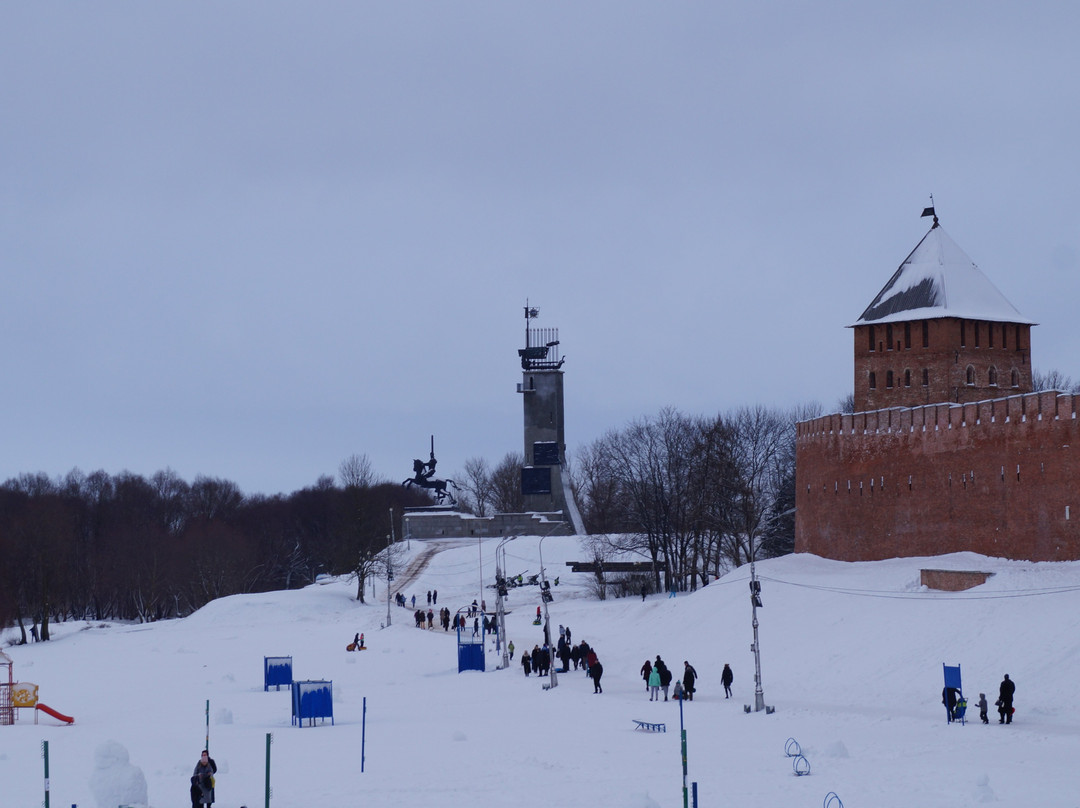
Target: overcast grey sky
x=250 y=239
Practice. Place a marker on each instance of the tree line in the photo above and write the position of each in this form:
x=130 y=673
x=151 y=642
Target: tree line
x=127 y=547
x=695 y=495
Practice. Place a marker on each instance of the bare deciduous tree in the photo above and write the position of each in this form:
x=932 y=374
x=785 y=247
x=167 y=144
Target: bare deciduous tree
x=357 y=471
x=1052 y=380
x=478 y=485
x=506 y=496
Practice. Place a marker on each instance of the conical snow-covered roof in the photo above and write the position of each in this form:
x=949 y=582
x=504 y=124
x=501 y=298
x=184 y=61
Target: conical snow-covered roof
x=939 y=280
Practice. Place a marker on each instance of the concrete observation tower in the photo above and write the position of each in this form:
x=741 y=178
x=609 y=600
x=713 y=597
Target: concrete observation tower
x=544 y=486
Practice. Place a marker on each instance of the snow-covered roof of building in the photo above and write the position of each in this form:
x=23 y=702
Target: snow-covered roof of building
x=939 y=280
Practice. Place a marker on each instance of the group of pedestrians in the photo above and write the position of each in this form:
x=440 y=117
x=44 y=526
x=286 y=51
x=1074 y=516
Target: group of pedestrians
x=951 y=695
x=432 y=599
x=538 y=660
x=582 y=655
x=658 y=678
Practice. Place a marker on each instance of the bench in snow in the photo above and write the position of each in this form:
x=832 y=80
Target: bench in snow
x=649 y=727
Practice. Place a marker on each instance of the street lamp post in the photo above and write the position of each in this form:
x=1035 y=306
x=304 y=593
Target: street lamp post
x=389 y=570
x=501 y=593
x=545 y=596
x=755 y=602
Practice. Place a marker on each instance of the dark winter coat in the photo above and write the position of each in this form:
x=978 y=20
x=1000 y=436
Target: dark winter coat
x=727 y=677
x=689 y=678
x=1006 y=691
x=665 y=673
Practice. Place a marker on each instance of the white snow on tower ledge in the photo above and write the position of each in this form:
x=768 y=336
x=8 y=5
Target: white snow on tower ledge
x=939 y=280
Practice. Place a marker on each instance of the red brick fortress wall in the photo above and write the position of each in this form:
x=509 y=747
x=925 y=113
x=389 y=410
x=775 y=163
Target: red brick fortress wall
x=999 y=477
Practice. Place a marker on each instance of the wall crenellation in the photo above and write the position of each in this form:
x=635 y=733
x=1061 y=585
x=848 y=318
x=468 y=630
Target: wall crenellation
x=930 y=418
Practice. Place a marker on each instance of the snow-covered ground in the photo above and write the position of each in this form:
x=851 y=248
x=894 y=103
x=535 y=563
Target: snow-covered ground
x=851 y=658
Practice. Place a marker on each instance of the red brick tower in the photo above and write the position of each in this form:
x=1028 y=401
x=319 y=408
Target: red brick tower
x=939 y=332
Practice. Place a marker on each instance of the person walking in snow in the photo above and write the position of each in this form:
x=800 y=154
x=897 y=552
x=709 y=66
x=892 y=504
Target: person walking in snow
x=726 y=678
x=596 y=670
x=646 y=671
x=677 y=693
x=510 y=648
x=654 y=684
x=203 y=778
x=1005 y=700
x=689 y=680
x=526 y=664
x=583 y=655
x=665 y=675
x=983 y=708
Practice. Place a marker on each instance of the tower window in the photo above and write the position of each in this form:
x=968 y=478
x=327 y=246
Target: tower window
x=873 y=380
x=1004 y=336
x=992 y=379
x=888 y=379
x=970 y=376
x=976 y=335
x=907 y=336
x=925 y=334
x=888 y=336
x=1015 y=378
x=963 y=334
x=989 y=335
x=870 y=331
x=907 y=378
x=925 y=377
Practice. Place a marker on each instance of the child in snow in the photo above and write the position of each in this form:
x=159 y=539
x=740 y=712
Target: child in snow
x=983 y=708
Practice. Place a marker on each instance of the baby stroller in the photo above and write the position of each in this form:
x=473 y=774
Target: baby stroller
x=961 y=709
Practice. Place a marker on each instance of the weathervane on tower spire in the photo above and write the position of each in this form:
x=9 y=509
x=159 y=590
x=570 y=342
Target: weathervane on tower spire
x=930 y=212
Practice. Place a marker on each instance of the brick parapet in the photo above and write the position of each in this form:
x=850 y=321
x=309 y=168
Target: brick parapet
x=997 y=477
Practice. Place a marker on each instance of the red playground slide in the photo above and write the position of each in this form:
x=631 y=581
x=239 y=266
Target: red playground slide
x=45 y=708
